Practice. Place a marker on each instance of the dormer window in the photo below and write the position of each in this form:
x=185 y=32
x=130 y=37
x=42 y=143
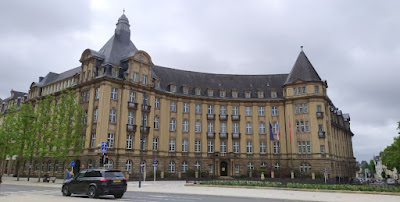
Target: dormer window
x=157 y=84
x=222 y=93
x=144 y=79
x=260 y=94
x=234 y=94
x=115 y=73
x=197 y=91
x=247 y=94
x=274 y=94
x=135 y=77
x=210 y=92
x=185 y=90
x=172 y=88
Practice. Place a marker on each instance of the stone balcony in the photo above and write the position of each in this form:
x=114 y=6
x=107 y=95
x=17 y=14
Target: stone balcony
x=320 y=115
x=146 y=108
x=132 y=105
x=223 y=135
x=235 y=117
x=210 y=116
x=321 y=134
x=131 y=127
x=145 y=129
x=223 y=117
x=210 y=135
x=235 y=135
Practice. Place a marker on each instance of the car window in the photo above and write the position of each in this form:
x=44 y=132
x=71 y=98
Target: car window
x=111 y=174
x=80 y=175
x=93 y=173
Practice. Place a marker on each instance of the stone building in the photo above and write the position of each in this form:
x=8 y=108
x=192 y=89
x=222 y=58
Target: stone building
x=219 y=123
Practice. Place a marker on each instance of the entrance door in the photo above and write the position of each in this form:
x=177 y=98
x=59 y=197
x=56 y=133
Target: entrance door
x=224 y=168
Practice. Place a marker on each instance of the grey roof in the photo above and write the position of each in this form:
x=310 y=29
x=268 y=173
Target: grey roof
x=119 y=46
x=219 y=81
x=16 y=95
x=54 y=77
x=97 y=54
x=302 y=69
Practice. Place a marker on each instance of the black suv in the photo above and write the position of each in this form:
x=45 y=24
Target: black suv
x=96 y=182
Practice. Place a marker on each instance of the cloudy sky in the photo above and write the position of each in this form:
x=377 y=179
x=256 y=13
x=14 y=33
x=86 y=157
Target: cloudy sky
x=354 y=45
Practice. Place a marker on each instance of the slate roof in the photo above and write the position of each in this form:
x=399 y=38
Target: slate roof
x=16 y=95
x=219 y=81
x=302 y=69
x=54 y=77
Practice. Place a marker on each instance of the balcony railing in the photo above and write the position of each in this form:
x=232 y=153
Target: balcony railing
x=223 y=135
x=145 y=129
x=210 y=135
x=235 y=135
x=235 y=117
x=210 y=116
x=321 y=134
x=320 y=115
x=223 y=117
x=131 y=127
x=132 y=105
x=146 y=108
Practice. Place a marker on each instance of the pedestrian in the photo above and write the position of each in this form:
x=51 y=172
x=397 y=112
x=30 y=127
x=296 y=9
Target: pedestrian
x=67 y=174
x=72 y=174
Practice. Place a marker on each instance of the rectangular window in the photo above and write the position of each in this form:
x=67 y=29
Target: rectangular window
x=135 y=77
x=97 y=93
x=235 y=110
x=237 y=168
x=307 y=127
x=185 y=90
x=275 y=128
x=172 y=88
x=263 y=147
x=198 y=108
x=197 y=127
x=318 y=108
x=305 y=108
x=296 y=108
x=249 y=147
x=222 y=93
x=261 y=128
x=210 y=109
x=295 y=91
x=210 y=127
x=320 y=128
x=303 y=146
x=247 y=94
x=322 y=147
x=261 y=111
x=302 y=128
x=95 y=115
x=234 y=94
x=129 y=142
x=185 y=125
x=132 y=96
x=304 y=90
x=173 y=106
x=171 y=145
x=222 y=110
x=172 y=125
x=276 y=148
x=260 y=94
x=114 y=93
x=210 y=146
x=185 y=107
x=156 y=122
x=197 y=146
x=274 y=111
x=198 y=91
x=113 y=116
x=144 y=79
x=210 y=93
x=157 y=103
x=185 y=145
x=223 y=147
x=273 y=94
x=249 y=129
x=155 y=144
x=110 y=140
x=93 y=141
x=316 y=89
x=222 y=127
x=130 y=118
x=308 y=147
x=235 y=127
x=236 y=147
x=248 y=111
x=299 y=150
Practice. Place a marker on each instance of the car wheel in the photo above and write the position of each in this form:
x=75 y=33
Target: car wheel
x=118 y=195
x=65 y=191
x=92 y=193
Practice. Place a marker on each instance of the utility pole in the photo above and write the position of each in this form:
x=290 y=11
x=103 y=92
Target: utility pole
x=142 y=128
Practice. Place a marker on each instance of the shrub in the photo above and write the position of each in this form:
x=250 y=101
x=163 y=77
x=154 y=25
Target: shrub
x=191 y=173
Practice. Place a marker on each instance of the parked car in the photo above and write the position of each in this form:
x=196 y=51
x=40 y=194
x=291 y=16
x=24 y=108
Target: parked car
x=96 y=182
x=390 y=181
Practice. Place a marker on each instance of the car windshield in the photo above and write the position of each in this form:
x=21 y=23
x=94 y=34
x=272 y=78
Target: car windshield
x=112 y=174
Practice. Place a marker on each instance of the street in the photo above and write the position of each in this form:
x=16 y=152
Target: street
x=54 y=194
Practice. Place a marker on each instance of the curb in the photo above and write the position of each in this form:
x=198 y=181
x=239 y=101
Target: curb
x=294 y=189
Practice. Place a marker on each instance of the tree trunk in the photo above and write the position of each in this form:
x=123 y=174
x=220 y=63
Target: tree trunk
x=20 y=159
x=40 y=169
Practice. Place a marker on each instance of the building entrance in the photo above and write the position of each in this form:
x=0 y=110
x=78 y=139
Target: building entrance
x=224 y=168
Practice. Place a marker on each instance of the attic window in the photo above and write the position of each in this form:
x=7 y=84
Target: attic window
x=222 y=93
x=299 y=90
x=185 y=90
x=115 y=73
x=234 y=94
x=210 y=92
x=157 y=84
x=172 y=88
x=247 y=94
x=197 y=91
x=260 y=94
x=274 y=94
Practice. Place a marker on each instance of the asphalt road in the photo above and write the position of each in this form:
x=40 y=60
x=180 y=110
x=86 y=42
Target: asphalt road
x=37 y=192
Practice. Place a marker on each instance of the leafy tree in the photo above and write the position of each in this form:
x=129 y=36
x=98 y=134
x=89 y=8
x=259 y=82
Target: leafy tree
x=391 y=154
x=8 y=131
x=371 y=167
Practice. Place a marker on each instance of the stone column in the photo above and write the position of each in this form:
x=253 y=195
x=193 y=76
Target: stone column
x=313 y=176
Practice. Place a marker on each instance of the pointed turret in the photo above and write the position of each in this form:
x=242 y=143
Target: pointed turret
x=302 y=69
x=120 y=44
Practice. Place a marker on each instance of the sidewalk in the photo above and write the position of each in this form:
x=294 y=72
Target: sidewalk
x=180 y=187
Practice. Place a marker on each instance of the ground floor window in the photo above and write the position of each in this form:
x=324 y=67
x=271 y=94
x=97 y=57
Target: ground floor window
x=305 y=167
x=237 y=168
x=109 y=164
x=128 y=166
x=210 y=168
x=184 y=166
x=197 y=165
x=171 y=167
x=277 y=165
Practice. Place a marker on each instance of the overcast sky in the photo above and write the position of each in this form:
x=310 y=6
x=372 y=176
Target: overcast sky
x=354 y=45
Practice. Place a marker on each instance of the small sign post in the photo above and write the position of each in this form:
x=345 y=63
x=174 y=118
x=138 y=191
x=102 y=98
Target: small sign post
x=72 y=166
x=325 y=175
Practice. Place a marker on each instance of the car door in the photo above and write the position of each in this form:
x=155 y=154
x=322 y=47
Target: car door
x=79 y=182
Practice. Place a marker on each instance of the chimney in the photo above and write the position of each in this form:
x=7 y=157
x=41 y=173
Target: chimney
x=40 y=78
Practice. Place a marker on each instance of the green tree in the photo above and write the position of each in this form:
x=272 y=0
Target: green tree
x=8 y=131
x=391 y=154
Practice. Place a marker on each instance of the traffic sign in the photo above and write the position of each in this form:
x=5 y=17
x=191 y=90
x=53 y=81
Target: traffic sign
x=324 y=170
x=155 y=161
x=104 y=147
x=72 y=163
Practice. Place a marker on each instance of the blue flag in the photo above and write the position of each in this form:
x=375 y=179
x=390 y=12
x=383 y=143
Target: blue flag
x=271 y=135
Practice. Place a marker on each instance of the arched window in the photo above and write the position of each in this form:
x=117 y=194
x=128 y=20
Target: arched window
x=171 y=167
x=197 y=165
x=250 y=166
x=128 y=166
x=109 y=164
x=277 y=165
x=184 y=166
x=305 y=167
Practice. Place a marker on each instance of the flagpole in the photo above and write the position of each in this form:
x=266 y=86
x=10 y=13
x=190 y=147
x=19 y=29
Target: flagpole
x=287 y=149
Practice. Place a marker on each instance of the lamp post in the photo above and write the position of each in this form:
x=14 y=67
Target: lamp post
x=33 y=145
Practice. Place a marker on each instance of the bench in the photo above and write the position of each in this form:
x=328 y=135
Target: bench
x=53 y=179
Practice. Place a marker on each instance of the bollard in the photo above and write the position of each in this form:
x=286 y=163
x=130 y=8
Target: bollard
x=196 y=174
x=272 y=174
x=262 y=176
x=162 y=175
x=313 y=176
x=179 y=174
x=292 y=175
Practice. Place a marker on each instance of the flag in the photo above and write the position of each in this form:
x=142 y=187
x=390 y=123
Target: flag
x=277 y=131
x=271 y=135
x=290 y=131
